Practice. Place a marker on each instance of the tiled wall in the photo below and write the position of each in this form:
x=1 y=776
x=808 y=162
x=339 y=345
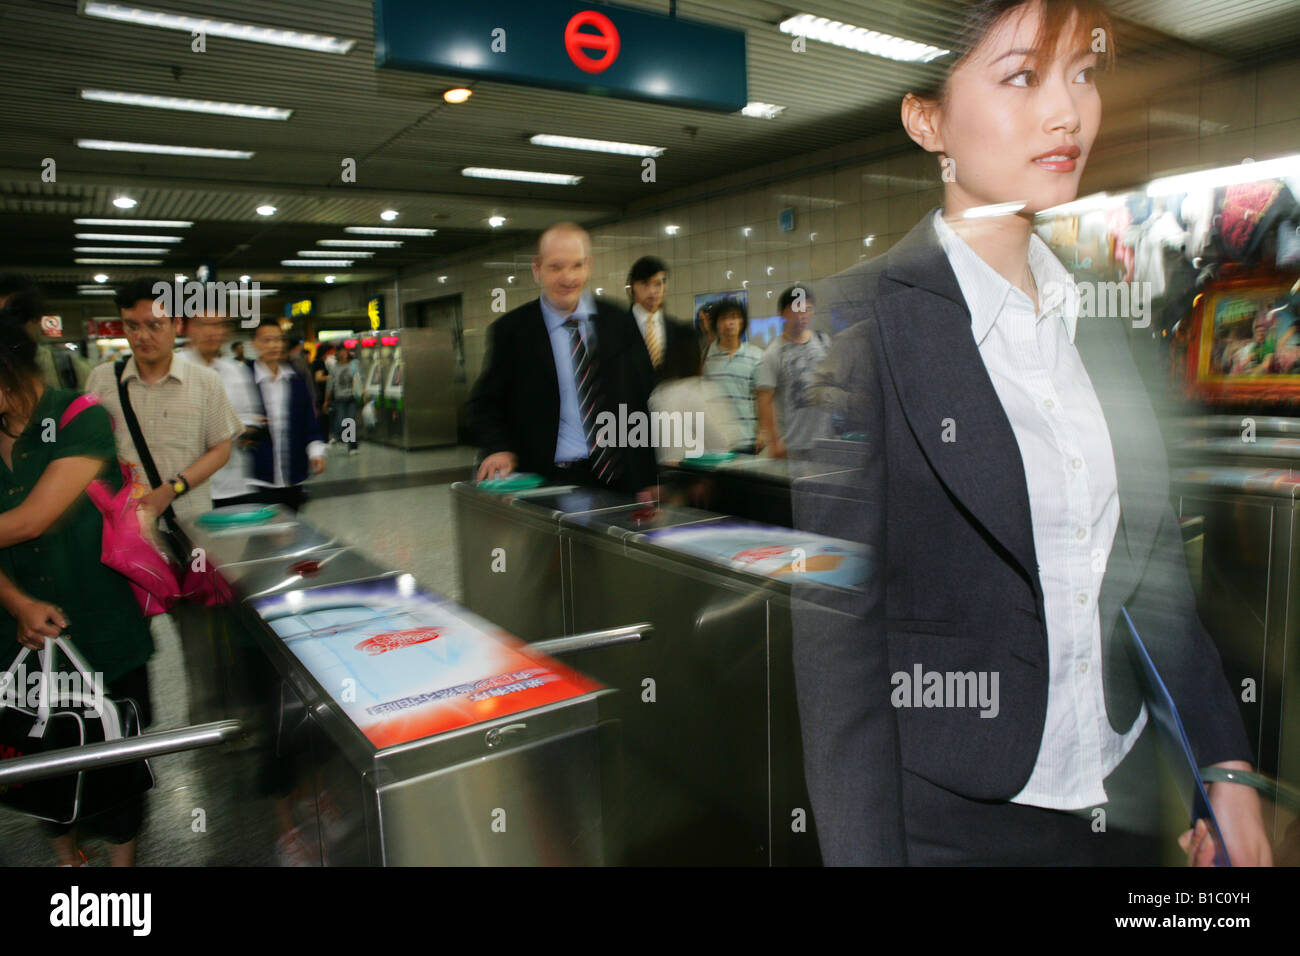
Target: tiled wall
x=877 y=188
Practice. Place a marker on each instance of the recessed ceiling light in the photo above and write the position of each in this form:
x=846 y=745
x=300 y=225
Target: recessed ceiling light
x=118 y=262
x=100 y=277
x=496 y=221
x=316 y=42
x=388 y=231
x=762 y=110
x=124 y=250
x=162 y=149
x=361 y=243
x=457 y=95
x=595 y=145
x=266 y=210
x=245 y=279
x=521 y=176
x=144 y=223
x=388 y=215
x=123 y=237
x=124 y=202
x=242 y=110
x=318 y=263
x=860 y=39
x=329 y=280
x=327 y=254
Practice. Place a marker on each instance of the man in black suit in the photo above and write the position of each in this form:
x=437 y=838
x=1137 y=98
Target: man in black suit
x=562 y=374
x=941 y=506
x=672 y=346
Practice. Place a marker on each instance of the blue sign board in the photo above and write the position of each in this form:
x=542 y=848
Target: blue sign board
x=565 y=45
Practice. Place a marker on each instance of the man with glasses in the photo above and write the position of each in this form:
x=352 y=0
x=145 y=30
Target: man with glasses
x=188 y=424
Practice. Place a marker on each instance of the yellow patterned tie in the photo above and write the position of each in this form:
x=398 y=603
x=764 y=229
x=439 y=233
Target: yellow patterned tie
x=652 y=343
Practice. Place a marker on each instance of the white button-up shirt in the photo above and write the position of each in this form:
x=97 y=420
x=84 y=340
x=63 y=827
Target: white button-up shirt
x=1073 y=500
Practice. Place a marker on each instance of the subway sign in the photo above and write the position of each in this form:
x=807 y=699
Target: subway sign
x=564 y=45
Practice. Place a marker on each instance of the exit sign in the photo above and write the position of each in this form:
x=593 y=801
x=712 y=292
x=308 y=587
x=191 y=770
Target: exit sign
x=564 y=45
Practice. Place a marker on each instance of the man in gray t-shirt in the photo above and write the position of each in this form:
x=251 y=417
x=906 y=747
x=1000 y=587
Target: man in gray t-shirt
x=788 y=418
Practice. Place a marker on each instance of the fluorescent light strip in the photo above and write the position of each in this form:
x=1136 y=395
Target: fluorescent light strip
x=97 y=290
x=117 y=147
x=361 y=243
x=1090 y=203
x=242 y=110
x=762 y=110
x=1283 y=167
x=521 y=176
x=860 y=39
x=595 y=145
x=124 y=237
x=124 y=250
x=388 y=231
x=315 y=42
x=143 y=223
x=118 y=262
x=325 y=253
x=325 y=263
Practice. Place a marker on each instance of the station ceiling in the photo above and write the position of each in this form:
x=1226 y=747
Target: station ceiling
x=409 y=145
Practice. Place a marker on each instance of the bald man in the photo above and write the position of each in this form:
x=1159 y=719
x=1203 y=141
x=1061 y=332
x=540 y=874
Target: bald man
x=553 y=366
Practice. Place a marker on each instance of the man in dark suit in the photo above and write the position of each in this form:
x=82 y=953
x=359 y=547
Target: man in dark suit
x=673 y=347
x=941 y=506
x=560 y=371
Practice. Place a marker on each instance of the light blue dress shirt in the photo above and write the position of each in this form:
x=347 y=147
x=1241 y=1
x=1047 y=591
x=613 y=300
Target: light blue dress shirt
x=571 y=443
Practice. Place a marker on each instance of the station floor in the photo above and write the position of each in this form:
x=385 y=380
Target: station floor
x=393 y=505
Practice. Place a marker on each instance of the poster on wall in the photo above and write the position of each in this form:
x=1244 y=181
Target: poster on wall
x=1244 y=342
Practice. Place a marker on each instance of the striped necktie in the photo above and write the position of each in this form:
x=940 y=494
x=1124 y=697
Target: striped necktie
x=652 y=343
x=587 y=377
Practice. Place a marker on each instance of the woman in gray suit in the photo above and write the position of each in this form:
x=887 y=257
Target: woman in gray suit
x=976 y=702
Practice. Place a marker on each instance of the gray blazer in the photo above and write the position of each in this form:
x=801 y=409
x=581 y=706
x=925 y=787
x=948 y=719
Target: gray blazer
x=954 y=580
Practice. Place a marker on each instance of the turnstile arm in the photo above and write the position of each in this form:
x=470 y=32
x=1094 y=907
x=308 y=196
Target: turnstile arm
x=589 y=640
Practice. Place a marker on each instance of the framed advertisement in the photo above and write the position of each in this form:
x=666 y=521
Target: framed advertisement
x=1244 y=342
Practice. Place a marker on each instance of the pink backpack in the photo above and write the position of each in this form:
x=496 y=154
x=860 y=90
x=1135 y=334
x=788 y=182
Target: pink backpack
x=126 y=549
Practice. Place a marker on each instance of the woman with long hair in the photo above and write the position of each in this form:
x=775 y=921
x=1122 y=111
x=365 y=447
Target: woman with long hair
x=52 y=580
x=977 y=701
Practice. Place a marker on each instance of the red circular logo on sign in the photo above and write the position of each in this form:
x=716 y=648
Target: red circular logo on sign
x=576 y=42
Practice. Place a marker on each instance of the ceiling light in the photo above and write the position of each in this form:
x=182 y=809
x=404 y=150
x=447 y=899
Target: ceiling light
x=181 y=278
x=672 y=230
x=457 y=95
x=521 y=176
x=266 y=209
x=96 y=290
x=316 y=42
x=245 y=279
x=326 y=253
x=322 y=263
x=144 y=223
x=242 y=110
x=124 y=250
x=329 y=280
x=442 y=279
x=388 y=231
x=100 y=277
x=860 y=39
x=496 y=222
x=1245 y=172
x=162 y=149
x=510 y=279
x=124 y=202
x=595 y=145
x=388 y=215
x=361 y=243
x=264 y=291
x=123 y=237
x=762 y=110
x=118 y=262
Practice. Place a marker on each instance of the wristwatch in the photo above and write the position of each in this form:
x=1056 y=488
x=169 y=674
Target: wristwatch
x=179 y=484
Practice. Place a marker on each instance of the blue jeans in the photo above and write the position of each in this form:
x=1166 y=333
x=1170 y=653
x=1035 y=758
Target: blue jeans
x=340 y=411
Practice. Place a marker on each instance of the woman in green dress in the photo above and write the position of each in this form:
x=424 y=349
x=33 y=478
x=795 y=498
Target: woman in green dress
x=52 y=581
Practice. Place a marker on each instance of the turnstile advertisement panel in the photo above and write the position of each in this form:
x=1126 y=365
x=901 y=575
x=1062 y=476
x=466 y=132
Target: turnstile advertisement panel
x=403 y=665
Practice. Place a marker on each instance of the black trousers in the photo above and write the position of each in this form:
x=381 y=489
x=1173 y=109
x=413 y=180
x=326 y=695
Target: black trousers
x=575 y=473
x=122 y=823
x=947 y=829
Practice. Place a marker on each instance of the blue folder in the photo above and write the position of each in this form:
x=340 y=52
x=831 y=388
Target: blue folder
x=1174 y=742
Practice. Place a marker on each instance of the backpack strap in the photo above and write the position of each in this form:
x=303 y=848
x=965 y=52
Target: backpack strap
x=77 y=406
